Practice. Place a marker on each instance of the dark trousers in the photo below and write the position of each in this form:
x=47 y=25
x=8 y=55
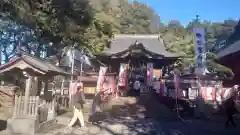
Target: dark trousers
x=230 y=119
x=135 y=92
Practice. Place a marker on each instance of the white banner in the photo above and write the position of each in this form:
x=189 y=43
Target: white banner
x=200 y=50
x=149 y=74
x=209 y=93
x=101 y=77
x=122 y=81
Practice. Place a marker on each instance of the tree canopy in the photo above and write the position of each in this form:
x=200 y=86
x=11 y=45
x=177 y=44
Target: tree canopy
x=53 y=24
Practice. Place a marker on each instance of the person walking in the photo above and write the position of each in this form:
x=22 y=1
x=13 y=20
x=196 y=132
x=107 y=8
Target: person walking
x=78 y=106
x=230 y=111
x=95 y=108
x=97 y=101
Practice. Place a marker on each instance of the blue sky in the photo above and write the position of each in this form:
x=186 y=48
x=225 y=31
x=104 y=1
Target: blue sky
x=186 y=10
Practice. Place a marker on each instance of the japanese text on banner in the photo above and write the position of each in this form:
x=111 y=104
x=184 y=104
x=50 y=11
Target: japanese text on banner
x=200 y=56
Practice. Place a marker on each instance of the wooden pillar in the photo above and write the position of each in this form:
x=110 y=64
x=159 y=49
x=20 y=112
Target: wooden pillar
x=46 y=93
x=27 y=93
x=34 y=90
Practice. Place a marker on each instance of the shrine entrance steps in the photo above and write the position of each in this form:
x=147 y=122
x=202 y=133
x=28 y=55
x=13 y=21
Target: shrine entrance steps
x=148 y=104
x=121 y=116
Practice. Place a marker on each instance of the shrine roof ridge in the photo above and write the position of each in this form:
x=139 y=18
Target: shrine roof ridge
x=232 y=43
x=152 y=43
x=137 y=36
x=41 y=65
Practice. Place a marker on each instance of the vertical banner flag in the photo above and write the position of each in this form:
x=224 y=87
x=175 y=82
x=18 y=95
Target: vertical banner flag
x=176 y=82
x=149 y=73
x=208 y=93
x=101 y=77
x=218 y=93
x=176 y=79
x=123 y=75
x=72 y=90
x=200 y=56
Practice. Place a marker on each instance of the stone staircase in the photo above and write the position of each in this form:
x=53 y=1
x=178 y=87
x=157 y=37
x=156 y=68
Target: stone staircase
x=156 y=110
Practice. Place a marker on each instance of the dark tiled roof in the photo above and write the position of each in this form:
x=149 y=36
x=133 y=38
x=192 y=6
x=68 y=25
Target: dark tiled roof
x=64 y=59
x=152 y=43
x=232 y=44
x=235 y=47
x=35 y=62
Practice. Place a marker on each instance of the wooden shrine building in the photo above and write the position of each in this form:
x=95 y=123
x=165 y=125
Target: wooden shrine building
x=136 y=50
x=29 y=109
x=230 y=54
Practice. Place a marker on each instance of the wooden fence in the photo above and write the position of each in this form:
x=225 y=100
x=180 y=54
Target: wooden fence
x=62 y=101
x=36 y=108
x=45 y=108
x=32 y=108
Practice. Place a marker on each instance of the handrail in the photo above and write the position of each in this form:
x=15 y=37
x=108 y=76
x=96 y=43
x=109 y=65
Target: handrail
x=6 y=94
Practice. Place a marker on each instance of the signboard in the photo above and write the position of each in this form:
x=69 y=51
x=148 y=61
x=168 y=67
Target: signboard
x=200 y=56
x=89 y=90
x=192 y=93
x=157 y=73
x=123 y=75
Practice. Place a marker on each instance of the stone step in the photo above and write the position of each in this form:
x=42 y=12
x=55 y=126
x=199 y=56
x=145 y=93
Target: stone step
x=156 y=109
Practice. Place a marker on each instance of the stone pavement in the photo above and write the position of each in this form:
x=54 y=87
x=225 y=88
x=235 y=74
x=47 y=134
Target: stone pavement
x=123 y=126
x=144 y=117
x=121 y=119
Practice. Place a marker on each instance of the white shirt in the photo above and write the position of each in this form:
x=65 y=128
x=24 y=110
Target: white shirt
x=136 y=85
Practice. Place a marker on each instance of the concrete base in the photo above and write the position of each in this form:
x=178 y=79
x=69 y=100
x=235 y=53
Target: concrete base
x=27 y=126
x=45 y=125
x=51 y=116
x=22 y=126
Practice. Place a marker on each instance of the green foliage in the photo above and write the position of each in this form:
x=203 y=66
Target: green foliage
x=180 y=40
x=90 y=24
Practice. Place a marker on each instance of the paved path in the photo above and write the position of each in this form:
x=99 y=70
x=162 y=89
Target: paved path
x=121 y=119
x=147 y=116
x=198 y=127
